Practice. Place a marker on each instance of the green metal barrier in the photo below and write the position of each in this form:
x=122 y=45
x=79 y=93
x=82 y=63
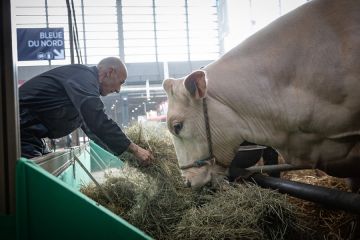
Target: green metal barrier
x=106 y=158
x=49 y=209
x=74 y=175
x=7 y=227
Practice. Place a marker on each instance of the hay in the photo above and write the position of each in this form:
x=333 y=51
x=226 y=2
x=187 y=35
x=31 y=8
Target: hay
x=325 y=223
x=154 y=200
x=153 y=206
x=241 y=212
x=121 y=191
x=158 y=140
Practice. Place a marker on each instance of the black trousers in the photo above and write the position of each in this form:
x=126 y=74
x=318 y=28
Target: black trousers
x=32 y=142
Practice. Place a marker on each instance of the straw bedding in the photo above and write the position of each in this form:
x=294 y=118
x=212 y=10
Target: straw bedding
x=154 y=200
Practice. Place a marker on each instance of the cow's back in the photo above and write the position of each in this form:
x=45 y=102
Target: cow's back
x=295 y=84
x=307 y=62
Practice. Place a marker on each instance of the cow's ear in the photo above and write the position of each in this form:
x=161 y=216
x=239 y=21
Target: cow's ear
x=168 y=86
x=195 y=83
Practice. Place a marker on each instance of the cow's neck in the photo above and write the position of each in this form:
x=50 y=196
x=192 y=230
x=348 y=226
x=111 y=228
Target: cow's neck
x=243 y=92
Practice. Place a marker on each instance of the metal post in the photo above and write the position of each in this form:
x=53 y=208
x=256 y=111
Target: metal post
x=155 y=37
x=120 y=29
x=84 y=30
x=145 y=108
x=280 y=8
x=115 y=111
x=221 y=8
x=9 y=122
x=125 y=110
x=75 y=134
x=188 y=34
x=70 y=26
x=47 y=21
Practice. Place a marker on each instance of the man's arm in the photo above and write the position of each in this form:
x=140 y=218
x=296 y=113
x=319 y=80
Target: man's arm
x=104 y=128
x=109 y=132
x=141 y=154
x=83 y=91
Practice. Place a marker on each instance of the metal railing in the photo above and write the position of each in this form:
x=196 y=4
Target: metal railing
x=57 y=162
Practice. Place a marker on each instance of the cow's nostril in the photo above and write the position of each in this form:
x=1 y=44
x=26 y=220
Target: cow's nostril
x=186 y=182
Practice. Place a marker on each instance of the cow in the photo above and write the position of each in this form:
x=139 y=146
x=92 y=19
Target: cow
x=294 y=86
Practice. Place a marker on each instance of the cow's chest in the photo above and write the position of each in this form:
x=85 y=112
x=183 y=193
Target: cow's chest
x=310 y=149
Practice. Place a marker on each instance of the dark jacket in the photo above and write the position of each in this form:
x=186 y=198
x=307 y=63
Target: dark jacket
x=66 y=98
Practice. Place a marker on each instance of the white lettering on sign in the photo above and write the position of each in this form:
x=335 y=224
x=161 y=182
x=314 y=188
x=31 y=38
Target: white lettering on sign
x=45 y=43
x=33 y=43
x=50 y=35
x=52 y=43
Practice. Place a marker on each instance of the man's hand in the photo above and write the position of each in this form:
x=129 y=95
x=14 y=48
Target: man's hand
x=144 y=156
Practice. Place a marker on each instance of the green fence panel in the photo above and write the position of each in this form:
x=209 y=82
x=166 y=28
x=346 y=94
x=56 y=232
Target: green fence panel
x=7 y=227
x=49 y=209
x=68 y=177
x=75 y=176
x=103 y=157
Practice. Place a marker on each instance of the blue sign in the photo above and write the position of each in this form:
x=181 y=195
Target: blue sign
x=40 y=44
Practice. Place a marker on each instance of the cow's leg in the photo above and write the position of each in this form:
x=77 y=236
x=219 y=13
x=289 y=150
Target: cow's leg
x=270 y=157
x=243 y=159
x=355 y=184
x=349 y=167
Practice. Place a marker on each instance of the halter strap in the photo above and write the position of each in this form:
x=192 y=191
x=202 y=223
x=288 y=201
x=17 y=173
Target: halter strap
x=202 y=162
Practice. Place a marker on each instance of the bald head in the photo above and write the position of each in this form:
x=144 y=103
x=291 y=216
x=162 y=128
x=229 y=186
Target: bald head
x=112 y=74
x=113 y=62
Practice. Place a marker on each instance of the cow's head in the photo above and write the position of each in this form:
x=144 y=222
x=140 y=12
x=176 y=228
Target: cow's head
x=186 y=122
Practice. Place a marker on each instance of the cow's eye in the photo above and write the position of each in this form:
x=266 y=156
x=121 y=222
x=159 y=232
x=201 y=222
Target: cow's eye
x=177 y=127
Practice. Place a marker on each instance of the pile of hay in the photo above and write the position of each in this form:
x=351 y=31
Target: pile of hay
x=241 y=212
x=325 y=223
x=154 y=200
x=151 y=198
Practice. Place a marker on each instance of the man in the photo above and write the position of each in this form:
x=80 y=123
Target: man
x=55 y=103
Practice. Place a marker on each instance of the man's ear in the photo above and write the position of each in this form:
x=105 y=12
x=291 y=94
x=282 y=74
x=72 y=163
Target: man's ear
x=195 y=84
x=110 y=71
x=168 y=86
x=103 y=74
